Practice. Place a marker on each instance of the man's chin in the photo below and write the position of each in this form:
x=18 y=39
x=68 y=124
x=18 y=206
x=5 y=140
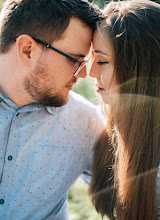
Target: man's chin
x=56 y=101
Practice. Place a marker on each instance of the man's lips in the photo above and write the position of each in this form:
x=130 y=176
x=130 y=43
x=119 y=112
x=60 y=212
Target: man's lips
x=70 y=87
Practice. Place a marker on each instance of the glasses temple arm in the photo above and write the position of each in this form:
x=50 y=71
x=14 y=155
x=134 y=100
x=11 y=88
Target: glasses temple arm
x=60 y=52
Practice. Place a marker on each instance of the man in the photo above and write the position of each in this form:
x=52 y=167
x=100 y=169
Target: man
x=47 y=132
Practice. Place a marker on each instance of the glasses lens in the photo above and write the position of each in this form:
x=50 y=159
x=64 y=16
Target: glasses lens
x=79 y=68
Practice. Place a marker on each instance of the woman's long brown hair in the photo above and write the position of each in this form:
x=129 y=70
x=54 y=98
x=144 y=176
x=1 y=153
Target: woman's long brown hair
x=134 y=29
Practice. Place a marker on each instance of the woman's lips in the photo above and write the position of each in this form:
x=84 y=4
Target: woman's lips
x=99 y=89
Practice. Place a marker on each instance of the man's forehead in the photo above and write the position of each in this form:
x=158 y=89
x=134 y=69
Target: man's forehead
x=76 y=38
x=76 y=28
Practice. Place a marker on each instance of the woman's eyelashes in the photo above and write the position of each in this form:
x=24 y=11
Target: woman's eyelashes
x=100 y=59
x=100 y=63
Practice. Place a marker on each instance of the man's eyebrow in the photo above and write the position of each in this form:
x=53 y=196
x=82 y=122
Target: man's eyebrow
x=77 y=55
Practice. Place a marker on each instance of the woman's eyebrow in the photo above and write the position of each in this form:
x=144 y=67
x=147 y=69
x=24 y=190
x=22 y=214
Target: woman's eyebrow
x=100 y=52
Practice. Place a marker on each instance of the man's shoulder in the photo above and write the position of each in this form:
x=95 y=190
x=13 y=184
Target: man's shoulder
x=80 y=104
x=78 y=107
x=85 y=117
x=77 y=99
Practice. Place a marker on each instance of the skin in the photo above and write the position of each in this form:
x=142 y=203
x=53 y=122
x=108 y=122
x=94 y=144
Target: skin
x=103 y=67
x=32 y=74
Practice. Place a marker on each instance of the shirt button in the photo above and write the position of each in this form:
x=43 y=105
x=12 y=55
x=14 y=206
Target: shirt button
x=10 y=157
x=1 y=201
x=17 y=114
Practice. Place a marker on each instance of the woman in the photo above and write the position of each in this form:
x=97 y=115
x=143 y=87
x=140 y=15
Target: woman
x=126 y=65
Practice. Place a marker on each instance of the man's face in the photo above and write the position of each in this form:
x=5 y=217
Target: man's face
x=52 y=76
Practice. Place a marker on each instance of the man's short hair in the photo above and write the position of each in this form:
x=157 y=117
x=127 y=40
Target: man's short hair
x=43 y=19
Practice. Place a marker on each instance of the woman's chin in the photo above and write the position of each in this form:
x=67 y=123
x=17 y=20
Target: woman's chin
x=109 y=98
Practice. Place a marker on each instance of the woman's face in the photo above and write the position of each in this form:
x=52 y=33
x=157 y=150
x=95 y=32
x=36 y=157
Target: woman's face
x=103 y=67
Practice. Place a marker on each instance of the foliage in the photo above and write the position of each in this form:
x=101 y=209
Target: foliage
x=80 y=204
x=85 y=88
x=1 y=3
x=100 y=3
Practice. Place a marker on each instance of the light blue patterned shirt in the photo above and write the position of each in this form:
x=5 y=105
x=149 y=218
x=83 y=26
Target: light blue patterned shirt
x=43 y=150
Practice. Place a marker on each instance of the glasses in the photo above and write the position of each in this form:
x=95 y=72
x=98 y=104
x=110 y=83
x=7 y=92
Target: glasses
x=80 y=64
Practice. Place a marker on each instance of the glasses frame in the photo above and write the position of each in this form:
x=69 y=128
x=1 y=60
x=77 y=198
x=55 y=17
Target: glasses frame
x=80 y=64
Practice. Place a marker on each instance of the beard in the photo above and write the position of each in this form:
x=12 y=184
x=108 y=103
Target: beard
x=51 y=101
x=40 y=91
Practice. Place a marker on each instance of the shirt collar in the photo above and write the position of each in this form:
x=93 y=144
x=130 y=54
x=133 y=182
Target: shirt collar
x=29 y=107
x=51 y=110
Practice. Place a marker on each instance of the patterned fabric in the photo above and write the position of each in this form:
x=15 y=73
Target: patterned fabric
x=42 y=152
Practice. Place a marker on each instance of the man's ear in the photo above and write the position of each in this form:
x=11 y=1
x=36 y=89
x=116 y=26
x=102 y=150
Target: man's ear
x=26 y=49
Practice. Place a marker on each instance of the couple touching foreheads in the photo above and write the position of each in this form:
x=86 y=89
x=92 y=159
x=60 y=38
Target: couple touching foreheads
x=51 y=135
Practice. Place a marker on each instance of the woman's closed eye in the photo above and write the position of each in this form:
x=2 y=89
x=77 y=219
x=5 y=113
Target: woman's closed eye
x=102 y=63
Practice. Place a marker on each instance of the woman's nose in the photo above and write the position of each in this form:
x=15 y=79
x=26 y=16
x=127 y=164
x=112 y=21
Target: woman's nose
x=93 y=72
